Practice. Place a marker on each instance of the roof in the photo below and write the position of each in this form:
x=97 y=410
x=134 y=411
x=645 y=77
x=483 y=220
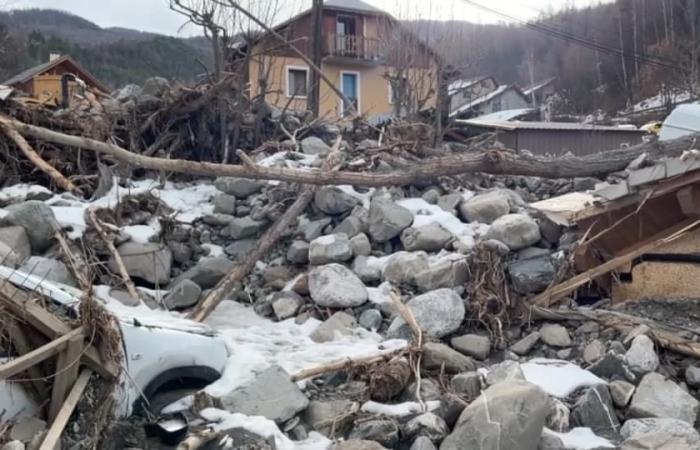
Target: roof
x=30 y=73
x=537 y=86
x=459 y=85
x=488 y=97
x=353 y=5
x=554 y=126
x=505 y=115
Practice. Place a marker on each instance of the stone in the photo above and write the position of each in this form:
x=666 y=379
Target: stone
x=484 y=208
x=124 y=297
x=325 y=416
x=238 y=187
x=422 y=443
x=155 y=86
x=514 y=230
x=525 y=345
x=286 y=304
x=272 y=394
x=657 y=396
x=240 y=249
x=13 y=445
x=659 y=441
x=472 y=345
x=641 y=357
x=508 y=415
x=208 y=271
x=26 y=428
x=298 y=252
x=594 y=409
x=314 y=146
x=183 y=295
x=218 y=219
x=429 y=390
x=438 y=356
x=585 y=184
x=370 y=319
x=451 y=407
x=334 y=201
x=312 y=230
x=621 y=392
x=17 y=246
x=332 y=248
x=692 y=376
x=38 y=221
x=402 y=267
x=49 y=269
x=351 y=225
x=673 y=427
x=355 y=444
x=366 y=272
x=450 y=202
x=532 y=275
x=550 y=231
x=431 y=196
x=244 y=227
x=338 y=323
x=467 y=385
x=559 y=416
x=150 y=262
x=182 y=253
x=427 y=424
x=429 y=238
x=360 y=245
x=387 y=220
x=128 y=92
x=336 y=286
x=594 y=351
x=613 y=367
x=555 y=335
x=504 y=371
x=438 y=313
x=224 y=204
x=382 y=431
x=447 y=273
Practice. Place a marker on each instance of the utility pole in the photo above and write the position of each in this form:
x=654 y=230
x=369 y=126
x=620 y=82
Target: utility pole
x=314 y=97
x=531 y=70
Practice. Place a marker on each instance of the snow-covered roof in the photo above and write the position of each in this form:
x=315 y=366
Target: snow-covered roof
x=486 y=98
x=353 y=5
x=459 y=85
x=558 y=126
x=537 y=86
x=505 y=115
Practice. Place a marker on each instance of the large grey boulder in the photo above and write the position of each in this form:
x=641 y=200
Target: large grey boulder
x=402 y=267
x=657 y=396
x=298 y=252
x=224 y=204
x=244 y=227
x=155 y=86
x=641 y=357
x=594 y=409
x=9 y=257
x=387 y=220
x=360 y=245
x=183 y=295
x=367 y=272
x=422 y=443
x=15 y=247
x=673 y=427
x=128 y=92
x=532 y=275
x=438 y=313
x=444 y=274
x=339 y=323
x=272 y=395
x=484 y=208
x=504 y=371
x=49 y=269
x=150 y=262
x=356 y=444
x=427 y=424
x=508 y=415
x=314 y=146
x=383 y=431
x=438 y=356
x=336 y=286
x=38 y=221
x=332 y=200
x=472 y=345
x=515 y=230
x=285 y=304
x=239 y=250
x=326 y=416
x=429 y=238
x=238 y=187
x=555 y=335
x=332 y=248
x=660 y=441
x=208 y=271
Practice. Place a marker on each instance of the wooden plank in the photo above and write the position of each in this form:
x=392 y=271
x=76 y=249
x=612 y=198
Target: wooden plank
x=23 y=347
x=42 y=353
x=556 y=293
x=59 y=424
x=66 y=373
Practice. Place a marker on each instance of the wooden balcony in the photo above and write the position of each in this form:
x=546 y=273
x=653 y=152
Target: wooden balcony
x=350 y=48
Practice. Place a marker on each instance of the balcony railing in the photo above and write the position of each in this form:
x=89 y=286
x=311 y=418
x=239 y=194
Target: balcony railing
x=354 y=47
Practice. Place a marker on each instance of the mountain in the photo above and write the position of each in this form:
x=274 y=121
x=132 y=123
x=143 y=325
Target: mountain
x=116 y=56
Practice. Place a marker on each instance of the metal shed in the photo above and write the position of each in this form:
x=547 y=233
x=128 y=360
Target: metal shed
x=557 y=138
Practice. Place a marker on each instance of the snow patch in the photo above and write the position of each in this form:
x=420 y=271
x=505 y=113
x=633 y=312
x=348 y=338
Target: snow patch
x=141 y=234
x=399 y=409
x=558 y=378
x=214 y=250
x=581 y=439
x=20 y=192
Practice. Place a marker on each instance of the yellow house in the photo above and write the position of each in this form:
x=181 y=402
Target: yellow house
x=380 y=67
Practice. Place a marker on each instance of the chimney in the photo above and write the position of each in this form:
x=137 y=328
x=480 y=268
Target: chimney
x=54 y=56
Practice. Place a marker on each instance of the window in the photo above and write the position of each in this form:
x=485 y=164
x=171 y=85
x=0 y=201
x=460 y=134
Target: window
x=350 y=87
x=297 y=82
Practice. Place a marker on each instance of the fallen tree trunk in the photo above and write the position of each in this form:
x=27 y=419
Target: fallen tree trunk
x=489 y=161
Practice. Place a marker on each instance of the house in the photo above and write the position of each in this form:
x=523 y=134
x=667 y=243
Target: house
x=379 y=66
x=55 y=81
x=539 y=92
x=466 y=91
x=556 y=138
x=502 y=98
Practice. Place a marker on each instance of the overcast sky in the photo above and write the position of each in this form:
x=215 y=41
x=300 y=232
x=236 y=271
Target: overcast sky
x=155 y=16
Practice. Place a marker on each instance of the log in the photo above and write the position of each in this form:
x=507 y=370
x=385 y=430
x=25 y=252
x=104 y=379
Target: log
x=492 y=161
x=67 y=368
x=264 y=244
x=53 y=436
x=345 y=364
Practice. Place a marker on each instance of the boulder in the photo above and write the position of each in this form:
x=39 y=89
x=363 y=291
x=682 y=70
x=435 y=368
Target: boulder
x=285 y=304
x=692 y=376
x=224 y=204
x=594 y=351
x=559 y=417
x=532 y=275
x=128 y=92
x=38 y=221
x=49 y=269
x=339 y=323
x=641 y=357
x=150 y=262
x=515 y=230
x=509 y=415
x=387 y=220
x=360 y=245
x=298 y=252
x=382 y=431
x=272 y=394
x=155 y=86
x=429 y=390
x=183 y=295
x=238 y=187
x=9 y=257
x=238 y=250
x=674 y=427
x=555 y=335
x=472 y=345
x=370 y=319
x=367 y=273
x=312 y=230
x=450 y=202
x=182 y=253
x=484 y=208
x=429 y=238
x=438 y=313
x=427 y=424
x=448 y=273
x=402 y=267
x=325 y=416
x=438 y=356
x=621 y=392
x=504 y=371
x=314 y=146
x=333 y=200
x=594 y=409
x=355 y=444
x=335 y=286
x=17 y=248
x=525 y=345
x=332 y=248
x=351 y=225
x=657 y=396
x=218 y=219
x=244 y=227
x=659 y=441
x=208 y=271
x=467 y=384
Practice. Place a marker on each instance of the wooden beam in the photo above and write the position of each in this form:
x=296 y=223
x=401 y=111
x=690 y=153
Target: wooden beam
x=556 y=293
x=42 y=353
x=67 y=368
x=23 y=347
x=64 y=413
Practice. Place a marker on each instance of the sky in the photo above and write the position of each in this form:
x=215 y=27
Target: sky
x=155 y=15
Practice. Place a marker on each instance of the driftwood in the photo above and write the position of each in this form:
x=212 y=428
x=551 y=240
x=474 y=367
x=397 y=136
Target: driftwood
x=345 y=364
x=53 y=436
x=264 y=244
x=490 y=161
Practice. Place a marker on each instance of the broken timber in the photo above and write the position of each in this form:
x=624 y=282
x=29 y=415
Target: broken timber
x=63 y=414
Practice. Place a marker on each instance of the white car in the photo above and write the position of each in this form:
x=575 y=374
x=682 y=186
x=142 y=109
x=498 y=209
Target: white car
x=162 y=352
